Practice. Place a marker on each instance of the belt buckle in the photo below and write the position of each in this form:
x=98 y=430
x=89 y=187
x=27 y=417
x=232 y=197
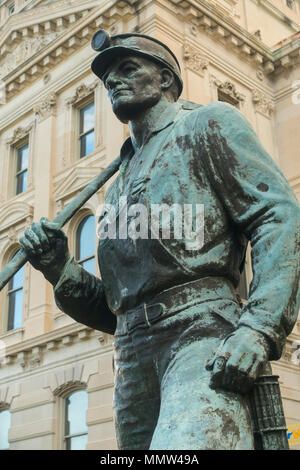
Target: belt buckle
x=150 y=315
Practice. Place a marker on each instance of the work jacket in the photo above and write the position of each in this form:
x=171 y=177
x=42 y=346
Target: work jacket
x=207 y=157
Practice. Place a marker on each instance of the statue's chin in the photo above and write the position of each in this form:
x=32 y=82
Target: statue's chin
x=129 y=110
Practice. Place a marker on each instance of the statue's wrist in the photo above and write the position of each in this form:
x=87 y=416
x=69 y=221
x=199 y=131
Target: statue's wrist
x=259 y=337
x=55 y=272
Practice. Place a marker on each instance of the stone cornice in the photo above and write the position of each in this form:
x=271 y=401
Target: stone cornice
x=205 y=16
x=29 y=353
x=78 y=32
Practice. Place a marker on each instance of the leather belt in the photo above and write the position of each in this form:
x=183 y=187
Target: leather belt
x=174 y=300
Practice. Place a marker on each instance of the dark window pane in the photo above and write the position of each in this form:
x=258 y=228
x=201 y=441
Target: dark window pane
x=22 y=158
x=15 y=310
x=86 y=233
x=87 y=144
x=15 y=300
x=87 y=118
x=76 y=407
x=4 y=427
x=22 y=182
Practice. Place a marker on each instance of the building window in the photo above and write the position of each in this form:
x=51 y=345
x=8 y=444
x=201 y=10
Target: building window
x=85 y=243
x=76 y=406
x=290 y=3
x=15 y=300
x=22 y=168
x=11 y=9
x=86 y=129
x=4 y=427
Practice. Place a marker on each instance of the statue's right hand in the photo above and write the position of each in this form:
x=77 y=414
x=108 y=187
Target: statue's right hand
x=47 y=248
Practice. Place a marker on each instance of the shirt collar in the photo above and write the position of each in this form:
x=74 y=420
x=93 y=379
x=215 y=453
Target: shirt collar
x=165 y=119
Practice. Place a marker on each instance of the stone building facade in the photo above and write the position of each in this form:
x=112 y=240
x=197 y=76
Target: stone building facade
x=57 y=132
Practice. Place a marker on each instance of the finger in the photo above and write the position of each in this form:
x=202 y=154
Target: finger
x=41 y=234
x=52 y=229
x=27 y=246
x=218 y=371
x=34 y=240
x=236 y=381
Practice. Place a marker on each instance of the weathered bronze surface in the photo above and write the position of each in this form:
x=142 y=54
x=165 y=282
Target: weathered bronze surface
x=186 y=353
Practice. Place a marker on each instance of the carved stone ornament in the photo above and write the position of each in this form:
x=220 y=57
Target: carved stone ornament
x=194 y=60
x=262 y=103
x=81 y=92
x=23 y=51
x=46 y=107
x=229 y=89
x=19 y=134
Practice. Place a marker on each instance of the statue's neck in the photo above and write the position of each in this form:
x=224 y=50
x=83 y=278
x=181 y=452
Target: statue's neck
x=142 y=127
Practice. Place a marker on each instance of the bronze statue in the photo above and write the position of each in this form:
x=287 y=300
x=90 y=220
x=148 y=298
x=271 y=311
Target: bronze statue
x=186 y=353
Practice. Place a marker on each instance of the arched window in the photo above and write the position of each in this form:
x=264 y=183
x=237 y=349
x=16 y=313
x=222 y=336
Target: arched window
x=15 y=300
x=4 y=427
x=75 y=434
x=85 y=243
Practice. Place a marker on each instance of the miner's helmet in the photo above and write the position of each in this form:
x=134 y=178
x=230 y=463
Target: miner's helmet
x=110 y=47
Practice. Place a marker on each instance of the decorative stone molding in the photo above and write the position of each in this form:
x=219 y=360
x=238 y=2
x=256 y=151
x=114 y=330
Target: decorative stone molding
x=227 y=88
x=45 y=108
x=29 y=354
x=13 y=213
x=19 y=134
x=66 y=380
x=262 y=103
x=243 y=43
x=12 y=235
x=12 y=58
x=82 y=91
x=44 y=43
x=194 y=59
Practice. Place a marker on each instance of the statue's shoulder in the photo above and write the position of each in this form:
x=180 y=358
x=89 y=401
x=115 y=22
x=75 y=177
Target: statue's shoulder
x=214 y=109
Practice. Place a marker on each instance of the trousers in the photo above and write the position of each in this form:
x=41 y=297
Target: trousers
x=162 y=396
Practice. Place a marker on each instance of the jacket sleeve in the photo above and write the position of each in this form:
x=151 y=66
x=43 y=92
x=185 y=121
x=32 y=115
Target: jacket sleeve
x=260 y=203
x=81 y=295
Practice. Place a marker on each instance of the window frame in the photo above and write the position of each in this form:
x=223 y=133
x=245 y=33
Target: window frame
x=23 y=143
x=79 y=107
x=7 y=303
x=67 y=437
x=84 y=216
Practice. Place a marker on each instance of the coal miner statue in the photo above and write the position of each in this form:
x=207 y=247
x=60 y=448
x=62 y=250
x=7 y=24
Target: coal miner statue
x=186 y=352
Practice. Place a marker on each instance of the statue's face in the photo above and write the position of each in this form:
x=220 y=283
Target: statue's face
x=134 y=85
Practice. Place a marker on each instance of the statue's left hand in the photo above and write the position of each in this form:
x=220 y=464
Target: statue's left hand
x=237 y=362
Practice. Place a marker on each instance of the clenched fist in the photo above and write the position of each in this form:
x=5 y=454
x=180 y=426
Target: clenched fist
x=47 y=248
x=238 y=361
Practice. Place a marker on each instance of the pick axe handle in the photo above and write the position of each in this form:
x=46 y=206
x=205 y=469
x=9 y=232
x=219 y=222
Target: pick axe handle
x=61 y=219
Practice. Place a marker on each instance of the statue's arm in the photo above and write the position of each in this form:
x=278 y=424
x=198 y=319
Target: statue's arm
x=77 y=292
x=81 y=295
x=261 y=204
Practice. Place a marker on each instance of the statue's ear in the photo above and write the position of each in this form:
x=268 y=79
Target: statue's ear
x=167 y=78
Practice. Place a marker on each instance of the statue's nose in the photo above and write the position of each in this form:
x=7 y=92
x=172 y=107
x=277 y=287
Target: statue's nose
x=112 y=79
